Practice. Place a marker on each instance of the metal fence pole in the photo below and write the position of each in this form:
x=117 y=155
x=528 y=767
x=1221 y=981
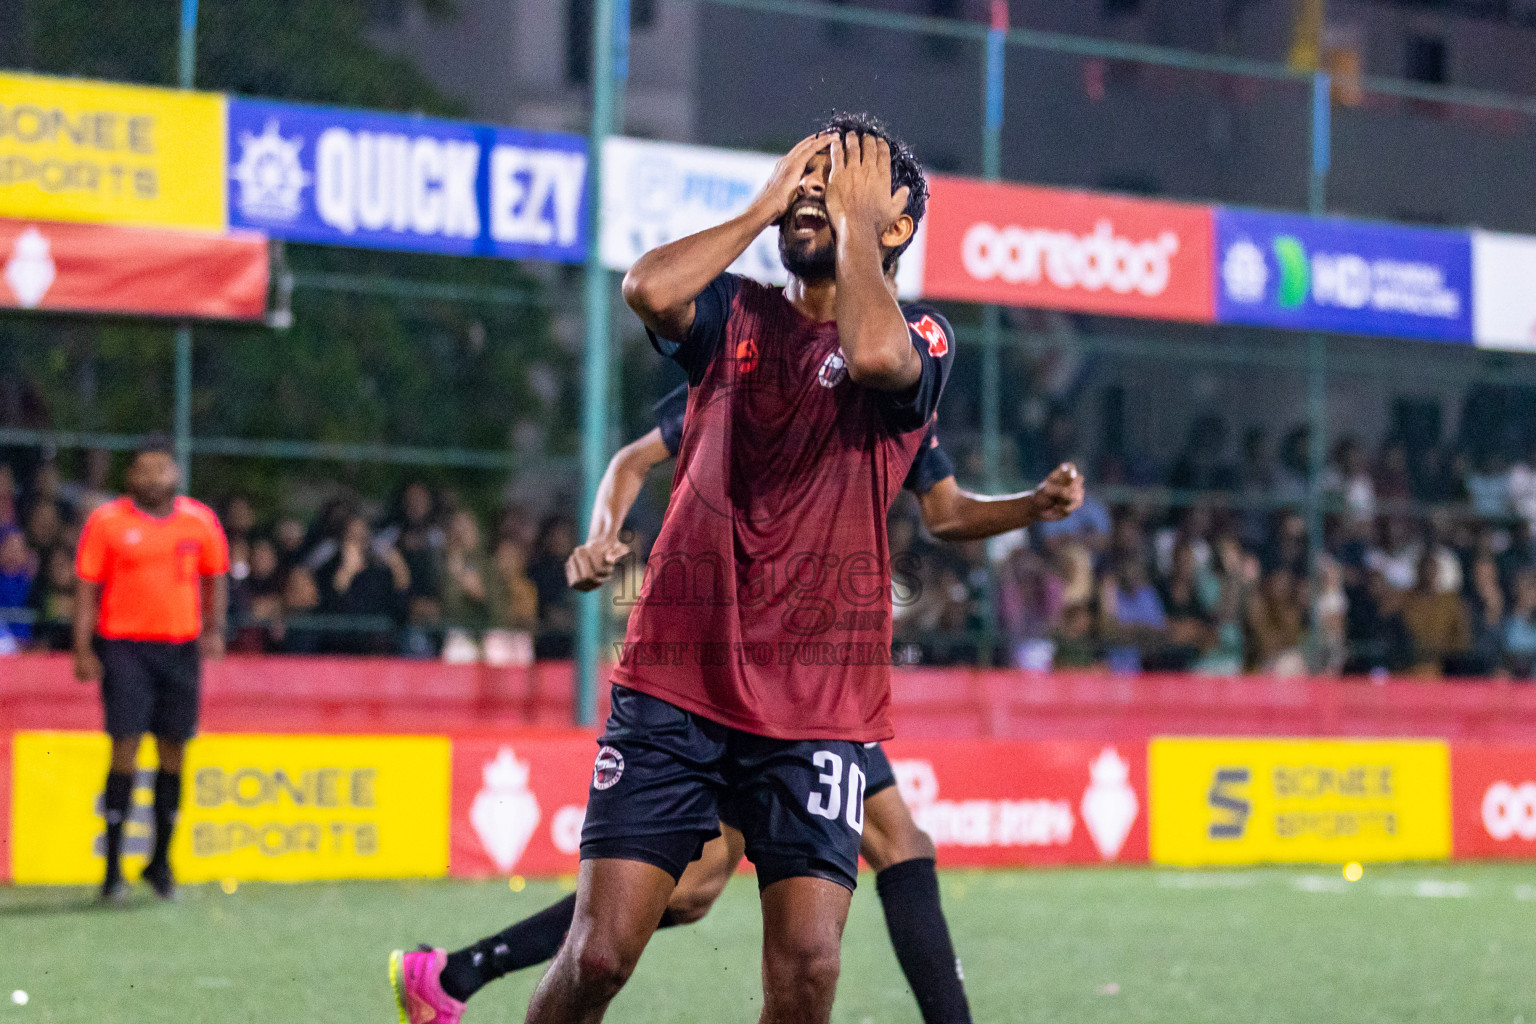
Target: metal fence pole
x=182 y=417
x=594 y=436
x=992 y=316
x=991 y=322
x=187 y=49
x=1322 y=142
x=182 y=413
x=1317 y=345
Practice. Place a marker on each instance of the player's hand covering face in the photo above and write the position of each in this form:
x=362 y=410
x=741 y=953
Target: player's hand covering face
x=1059 y=495
x=859 y=189
x=784 y=184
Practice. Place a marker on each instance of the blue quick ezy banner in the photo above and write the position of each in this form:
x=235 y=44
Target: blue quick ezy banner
x=393 y=181
x=1350 y=277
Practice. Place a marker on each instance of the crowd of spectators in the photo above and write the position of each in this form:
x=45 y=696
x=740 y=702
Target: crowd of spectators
x=1427 y=567
x=424 y=579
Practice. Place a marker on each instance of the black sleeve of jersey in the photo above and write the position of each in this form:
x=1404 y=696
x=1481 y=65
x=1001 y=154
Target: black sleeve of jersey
x=711 y=309
x=931 y=335
x=931 y=464
x=670 y=412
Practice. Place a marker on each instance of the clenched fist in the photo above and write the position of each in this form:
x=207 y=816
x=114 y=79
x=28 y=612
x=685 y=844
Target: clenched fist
x=591 y=565
x=1059 y=495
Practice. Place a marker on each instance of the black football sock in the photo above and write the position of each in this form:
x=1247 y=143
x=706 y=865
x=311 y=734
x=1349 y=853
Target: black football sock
x=531 y=941
x=167 y=806
x=115 y=805
x=909 y=892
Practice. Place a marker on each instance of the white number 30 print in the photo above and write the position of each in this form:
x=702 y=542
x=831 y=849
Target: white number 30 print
x=827 y=804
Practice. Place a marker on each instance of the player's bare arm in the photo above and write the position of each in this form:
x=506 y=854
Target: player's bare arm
x=954 y=514
x=591 y=565
x=866 y=219
x=662 y=284
x=87 y=598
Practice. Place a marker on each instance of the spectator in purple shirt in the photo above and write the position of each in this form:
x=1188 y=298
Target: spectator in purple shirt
x=1134 y=623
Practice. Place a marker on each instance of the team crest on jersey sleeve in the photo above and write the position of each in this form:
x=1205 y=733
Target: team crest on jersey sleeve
x=746 y=356
x=833 y=369
x=933 y=333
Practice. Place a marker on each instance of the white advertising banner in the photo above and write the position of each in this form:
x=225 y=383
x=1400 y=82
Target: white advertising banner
x=656 y=192
x=1504 y=291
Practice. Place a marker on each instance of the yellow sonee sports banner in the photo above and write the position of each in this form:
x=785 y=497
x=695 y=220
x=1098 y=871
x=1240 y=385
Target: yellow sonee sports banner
x=111 y=154
x=278 y=808
x=1222 y=802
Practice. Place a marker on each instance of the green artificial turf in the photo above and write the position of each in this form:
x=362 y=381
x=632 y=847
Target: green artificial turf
x=1450 y=943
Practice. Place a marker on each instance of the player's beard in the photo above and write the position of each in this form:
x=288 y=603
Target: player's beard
x=806 y=260
x=148 y=496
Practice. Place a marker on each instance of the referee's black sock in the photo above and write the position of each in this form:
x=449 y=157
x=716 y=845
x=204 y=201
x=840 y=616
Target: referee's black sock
x=531 y=941
x=115 y=809
x=909 y=892
x=167 y=806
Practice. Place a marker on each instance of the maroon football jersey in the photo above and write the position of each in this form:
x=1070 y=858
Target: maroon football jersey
x=766 y=603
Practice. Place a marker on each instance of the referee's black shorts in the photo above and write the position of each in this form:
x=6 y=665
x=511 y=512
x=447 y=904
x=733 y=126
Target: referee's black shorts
x=149 y=686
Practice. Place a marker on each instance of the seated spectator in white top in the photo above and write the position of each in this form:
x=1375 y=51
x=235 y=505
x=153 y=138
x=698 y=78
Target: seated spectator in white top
x=1522 y=488
x=1348 y=480
x=1488 y=487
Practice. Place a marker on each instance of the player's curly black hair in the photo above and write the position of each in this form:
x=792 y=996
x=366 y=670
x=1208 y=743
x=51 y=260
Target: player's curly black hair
x=905 y=170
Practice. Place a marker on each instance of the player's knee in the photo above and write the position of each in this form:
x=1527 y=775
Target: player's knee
x=125 y=754
x=170 y=753
x=808 y=972
x=602 y=967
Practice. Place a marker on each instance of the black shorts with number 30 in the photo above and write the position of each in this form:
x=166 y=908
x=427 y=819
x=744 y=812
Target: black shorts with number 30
x=665 y=778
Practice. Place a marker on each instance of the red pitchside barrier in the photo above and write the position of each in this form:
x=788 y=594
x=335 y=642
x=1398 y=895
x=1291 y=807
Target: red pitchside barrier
x=305 y=694
x=1001 y=768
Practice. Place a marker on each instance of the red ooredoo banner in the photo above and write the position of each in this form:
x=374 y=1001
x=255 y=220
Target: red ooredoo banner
x=1024 y=245
x=104 y=269
x=1493 y=801
x=518 y=802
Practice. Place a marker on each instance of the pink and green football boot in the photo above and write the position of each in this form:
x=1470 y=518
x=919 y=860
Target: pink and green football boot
x=419 y=995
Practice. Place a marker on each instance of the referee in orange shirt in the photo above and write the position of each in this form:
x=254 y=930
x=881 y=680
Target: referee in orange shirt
x=152 y=591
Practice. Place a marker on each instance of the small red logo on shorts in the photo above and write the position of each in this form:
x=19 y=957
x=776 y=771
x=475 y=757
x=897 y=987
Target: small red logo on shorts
x=609 y=768
x=938 y=341
x=746 y=356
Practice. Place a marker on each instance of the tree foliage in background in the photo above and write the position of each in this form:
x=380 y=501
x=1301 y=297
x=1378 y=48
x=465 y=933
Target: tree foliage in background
x=352 y=368
x=314 y=50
